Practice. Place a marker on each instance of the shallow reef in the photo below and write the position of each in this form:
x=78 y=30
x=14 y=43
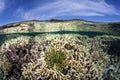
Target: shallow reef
x=60 y=57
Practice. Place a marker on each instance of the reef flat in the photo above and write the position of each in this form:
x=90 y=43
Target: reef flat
x=60 y=57
x=60 y=25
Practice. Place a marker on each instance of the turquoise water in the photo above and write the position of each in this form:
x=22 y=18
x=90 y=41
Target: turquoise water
x=4 y=37
x=90 y=34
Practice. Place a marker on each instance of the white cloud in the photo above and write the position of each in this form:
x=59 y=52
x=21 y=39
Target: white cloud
x=2 y=5
x=69 y=8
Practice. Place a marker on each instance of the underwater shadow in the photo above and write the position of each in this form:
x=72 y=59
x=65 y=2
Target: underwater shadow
x=113 y=46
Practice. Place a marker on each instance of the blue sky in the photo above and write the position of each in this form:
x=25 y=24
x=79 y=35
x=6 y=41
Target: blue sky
x=92 y=10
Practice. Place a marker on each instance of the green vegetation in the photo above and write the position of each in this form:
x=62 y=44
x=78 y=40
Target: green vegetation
x=56 y=20
x=56 y=59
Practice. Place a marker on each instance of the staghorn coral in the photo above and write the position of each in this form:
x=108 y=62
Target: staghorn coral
x=16 y=49
x=15 y=52
x=80 y=62
x=58 y=57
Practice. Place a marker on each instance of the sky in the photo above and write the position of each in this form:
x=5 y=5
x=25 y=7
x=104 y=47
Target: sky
x=91 y=10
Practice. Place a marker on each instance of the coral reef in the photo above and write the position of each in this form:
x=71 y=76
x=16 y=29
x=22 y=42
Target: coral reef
x=59 y=57
x=15 y=54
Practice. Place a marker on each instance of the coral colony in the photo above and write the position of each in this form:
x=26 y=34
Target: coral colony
x=59 y=57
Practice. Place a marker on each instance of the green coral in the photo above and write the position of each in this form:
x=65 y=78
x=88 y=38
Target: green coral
x=56 y=59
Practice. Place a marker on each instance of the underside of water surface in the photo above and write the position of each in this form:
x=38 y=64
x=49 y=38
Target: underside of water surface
x=59 y=56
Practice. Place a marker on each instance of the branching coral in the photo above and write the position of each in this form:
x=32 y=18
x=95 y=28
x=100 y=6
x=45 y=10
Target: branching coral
x=56 y=57
x=78 y=58
x=15 y=52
